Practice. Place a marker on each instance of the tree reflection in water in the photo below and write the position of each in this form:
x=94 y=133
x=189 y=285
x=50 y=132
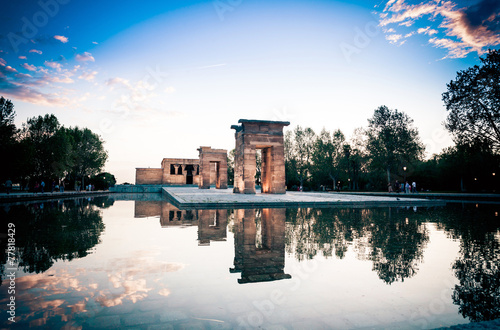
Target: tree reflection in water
x=478 y=265
x=386 y=236
x=54 y=230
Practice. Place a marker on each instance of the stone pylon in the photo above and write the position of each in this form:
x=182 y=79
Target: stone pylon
x=209 y=156
x=266 y=135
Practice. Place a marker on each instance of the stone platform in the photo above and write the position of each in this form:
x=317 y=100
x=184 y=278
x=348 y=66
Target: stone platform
x=194 y=198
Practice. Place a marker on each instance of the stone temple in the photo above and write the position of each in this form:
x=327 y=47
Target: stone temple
x=211 y=167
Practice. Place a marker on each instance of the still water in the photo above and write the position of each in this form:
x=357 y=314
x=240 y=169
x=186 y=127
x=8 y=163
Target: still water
x=108 y=262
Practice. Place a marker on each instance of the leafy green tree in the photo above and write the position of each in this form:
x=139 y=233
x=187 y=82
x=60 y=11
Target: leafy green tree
x=103 y=181
x=290 y=162
x=392 y=141
x=299 y=149
x=48 y=147
x=326 y=157
x=88 y=155
x=473 y=102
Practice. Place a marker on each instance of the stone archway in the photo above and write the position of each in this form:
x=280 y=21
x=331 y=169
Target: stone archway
x=267 y=136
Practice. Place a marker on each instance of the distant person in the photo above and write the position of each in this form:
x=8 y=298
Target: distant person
x=397 y=188
x=389 y=187
x=53 y=186
x=42 y=186
x=8 y=186
x=61 y=186
x=36 y=188
x=407 y=187
x=414 y=187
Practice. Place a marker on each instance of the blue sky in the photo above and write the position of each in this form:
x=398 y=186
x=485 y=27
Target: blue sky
x=159 y=79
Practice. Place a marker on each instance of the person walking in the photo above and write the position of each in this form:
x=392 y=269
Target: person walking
x=407 y=187
x=413 y=187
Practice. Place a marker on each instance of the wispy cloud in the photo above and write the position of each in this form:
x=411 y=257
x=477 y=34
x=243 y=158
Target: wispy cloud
x=393 y=38
x=29 y=67
x=86 y=56
x=53 y=65
x=89 y=76
x=22 y=57
x=117 y=81
x=36 y=51
x=464 y=29
x=62 y=39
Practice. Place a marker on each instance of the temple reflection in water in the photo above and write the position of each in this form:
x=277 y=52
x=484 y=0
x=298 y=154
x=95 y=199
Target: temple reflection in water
x=259 y=244
x=212 y=224
x=259 y=235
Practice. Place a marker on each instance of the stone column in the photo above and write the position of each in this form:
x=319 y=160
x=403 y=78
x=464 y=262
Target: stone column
x=249 y=169
x=278 y=179
x=204 y=182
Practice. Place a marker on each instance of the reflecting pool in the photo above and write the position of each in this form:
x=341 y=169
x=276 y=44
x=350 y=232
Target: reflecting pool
x=137 y=261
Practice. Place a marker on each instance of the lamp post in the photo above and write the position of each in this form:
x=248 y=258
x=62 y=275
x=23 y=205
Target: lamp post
x=404 y=170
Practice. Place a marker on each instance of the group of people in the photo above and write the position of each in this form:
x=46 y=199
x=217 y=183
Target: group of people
x=404 y=187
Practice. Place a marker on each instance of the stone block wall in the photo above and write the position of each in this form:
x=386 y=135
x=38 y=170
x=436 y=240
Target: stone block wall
x=148 y=175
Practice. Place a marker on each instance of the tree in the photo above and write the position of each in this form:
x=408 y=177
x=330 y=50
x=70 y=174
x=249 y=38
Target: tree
x=469 y=166
x=7 y=138
x=47 y=146
x=298 y=152
x=326 y=157
x=88 y=155
x=103 y=181
x=473 y=102
x=230 y=167
x=392 y=141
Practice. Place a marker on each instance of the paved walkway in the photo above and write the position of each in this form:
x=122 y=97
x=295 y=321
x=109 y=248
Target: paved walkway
x=189 y=197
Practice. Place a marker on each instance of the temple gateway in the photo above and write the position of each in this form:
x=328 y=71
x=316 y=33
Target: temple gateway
x=211 y=166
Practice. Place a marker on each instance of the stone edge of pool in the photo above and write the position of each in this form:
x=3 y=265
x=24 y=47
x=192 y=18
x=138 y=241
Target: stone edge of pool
x=193 y=198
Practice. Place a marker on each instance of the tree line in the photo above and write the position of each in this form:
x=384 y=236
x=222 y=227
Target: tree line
x=389 y=150
x=44 y=150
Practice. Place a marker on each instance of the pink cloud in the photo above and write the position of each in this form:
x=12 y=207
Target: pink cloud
x=3 y=62
x=29 y=67
x=86 y=56
x=62 y=79
x=53 y=65
x=62 y=39
x=31 y=95
x=89 y=76
x=22 y=57
x=36 y=51
x=10 y=69
x=470 y=29
x=24 y=76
